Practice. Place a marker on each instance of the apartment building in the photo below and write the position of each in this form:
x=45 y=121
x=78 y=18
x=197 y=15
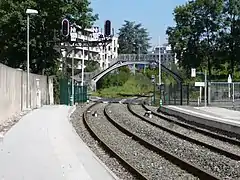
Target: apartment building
x=167 y=56
x=102 y=54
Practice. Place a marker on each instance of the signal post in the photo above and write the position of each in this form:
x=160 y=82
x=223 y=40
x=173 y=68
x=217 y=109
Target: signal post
x=70 y=40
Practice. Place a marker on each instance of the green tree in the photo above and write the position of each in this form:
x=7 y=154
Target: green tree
x=195 y=36
x=44 y=30
x=230 y=34
x=183 y=37
x=133 y=38
x=116 y=78
x=208 y=14
x=91 y=65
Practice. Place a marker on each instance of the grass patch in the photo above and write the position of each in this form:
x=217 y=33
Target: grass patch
x=138 y=84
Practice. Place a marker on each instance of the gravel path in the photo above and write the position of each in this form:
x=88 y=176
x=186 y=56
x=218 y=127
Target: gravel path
x=191 y=133
x=112 y=163
x=150 y=163
x=222 y=166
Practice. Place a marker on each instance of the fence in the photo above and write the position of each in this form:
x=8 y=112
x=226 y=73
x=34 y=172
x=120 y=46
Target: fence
x=80 y=92
x=175 y=94
x=13 y=86
x=224 y=94
x=221 y=94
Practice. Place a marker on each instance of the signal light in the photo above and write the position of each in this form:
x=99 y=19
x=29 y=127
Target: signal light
x=65 y=27
x=107 y=28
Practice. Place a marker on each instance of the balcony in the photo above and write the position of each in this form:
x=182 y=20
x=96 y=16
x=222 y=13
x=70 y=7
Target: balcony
x=86 y=38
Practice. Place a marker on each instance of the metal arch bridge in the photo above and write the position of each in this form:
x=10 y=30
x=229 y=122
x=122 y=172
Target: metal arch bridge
x=124 y=60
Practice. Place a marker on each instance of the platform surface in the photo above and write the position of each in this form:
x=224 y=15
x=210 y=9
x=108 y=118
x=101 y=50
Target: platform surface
x=44 y=146
x=212 y=113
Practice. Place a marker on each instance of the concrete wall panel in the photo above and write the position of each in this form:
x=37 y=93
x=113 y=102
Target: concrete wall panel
x=13 y=91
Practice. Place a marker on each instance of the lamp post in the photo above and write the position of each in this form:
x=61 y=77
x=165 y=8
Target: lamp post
x=28 y=12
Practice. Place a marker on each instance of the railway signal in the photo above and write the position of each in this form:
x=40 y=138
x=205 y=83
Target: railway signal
x=107 y=28
x=65 y=27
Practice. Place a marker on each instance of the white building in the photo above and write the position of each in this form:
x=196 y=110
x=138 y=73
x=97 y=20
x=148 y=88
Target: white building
x=167 y=56
x=100 y=54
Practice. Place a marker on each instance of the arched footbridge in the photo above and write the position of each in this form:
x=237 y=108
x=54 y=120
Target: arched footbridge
x=93 y=77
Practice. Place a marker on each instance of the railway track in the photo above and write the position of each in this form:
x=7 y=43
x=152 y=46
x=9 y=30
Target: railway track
x=150 y=148
x=233 y=155
x=93 y=132
x=192 y=127
x=220 y=156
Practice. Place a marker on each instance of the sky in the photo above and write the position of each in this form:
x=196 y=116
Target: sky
x=154 y=15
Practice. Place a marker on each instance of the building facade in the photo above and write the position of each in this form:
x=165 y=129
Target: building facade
x=167 y=56
x=102 y=54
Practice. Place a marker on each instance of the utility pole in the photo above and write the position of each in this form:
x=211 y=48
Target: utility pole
x=72 y=97
x=154 y=92
x=205 y=89
x=159 y=65
x=138 y=52
x=154 y=89
x=83 y=67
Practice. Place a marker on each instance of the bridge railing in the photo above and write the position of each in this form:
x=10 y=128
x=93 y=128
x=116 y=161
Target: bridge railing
x=137 y=57
x=123 y=57
x=87 y=75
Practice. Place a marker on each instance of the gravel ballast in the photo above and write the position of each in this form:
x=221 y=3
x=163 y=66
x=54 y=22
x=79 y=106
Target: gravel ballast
x=150 y=163
x=190 y=133
x=201 y=126
x=220 y=165
x=112 y=163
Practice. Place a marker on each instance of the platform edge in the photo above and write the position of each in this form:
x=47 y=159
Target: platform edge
x=71 y=110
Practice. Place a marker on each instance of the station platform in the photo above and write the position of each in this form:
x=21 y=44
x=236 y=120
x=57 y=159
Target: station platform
x=43 y=145
x=220 y=118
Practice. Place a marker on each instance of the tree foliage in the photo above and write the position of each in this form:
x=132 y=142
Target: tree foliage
x=133 y=38
x=207 y=36
x=91 y=65
x=44 y=30
x=117 y=78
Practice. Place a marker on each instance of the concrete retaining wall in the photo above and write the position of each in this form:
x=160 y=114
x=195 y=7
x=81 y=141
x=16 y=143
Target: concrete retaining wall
x=210 y=122
x=13 y=85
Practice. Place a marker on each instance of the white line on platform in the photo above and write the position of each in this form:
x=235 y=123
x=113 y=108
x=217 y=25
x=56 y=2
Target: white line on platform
x=206 y=115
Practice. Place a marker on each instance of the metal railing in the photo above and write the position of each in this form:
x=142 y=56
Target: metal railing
x=223 y=92
x=137 y=57
x=124 y=57
x=220 y=94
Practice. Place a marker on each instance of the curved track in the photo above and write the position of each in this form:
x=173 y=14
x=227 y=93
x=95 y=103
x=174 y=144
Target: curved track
x=130 y=166
x=227 y=153
x=191 y=127
x=192 y=169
